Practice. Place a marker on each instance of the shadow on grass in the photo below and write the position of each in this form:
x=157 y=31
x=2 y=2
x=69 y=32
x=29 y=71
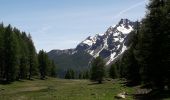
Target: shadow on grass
x=145 y=93
x=131 y=84
x=153 y=95
x=2 y=82
x=95 y=83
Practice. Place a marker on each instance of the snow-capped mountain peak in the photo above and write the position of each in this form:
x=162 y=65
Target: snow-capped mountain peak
x=110 y=44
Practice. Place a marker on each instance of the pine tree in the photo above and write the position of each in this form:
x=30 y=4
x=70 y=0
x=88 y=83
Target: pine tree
x=70 y=74
x=153 y=39
x=43 y=64
x=87 y=76
x=1 y=51
x=113 y=73
x=97 y=70
x=32 y=60
x=80 y=75
x=24 y=58
x=10 y=53
x=53 y=70
x=18 y=57
x=165 y=43
x=67 y=75
x=129 y=64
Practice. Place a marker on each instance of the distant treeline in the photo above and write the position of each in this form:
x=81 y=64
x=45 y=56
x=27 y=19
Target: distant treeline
x=72 y=74
x=18 y=57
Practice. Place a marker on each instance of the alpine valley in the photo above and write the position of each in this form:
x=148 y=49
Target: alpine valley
x=109 y=45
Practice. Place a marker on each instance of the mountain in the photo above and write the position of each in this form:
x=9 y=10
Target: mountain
x=70 y=59
x=109 y=45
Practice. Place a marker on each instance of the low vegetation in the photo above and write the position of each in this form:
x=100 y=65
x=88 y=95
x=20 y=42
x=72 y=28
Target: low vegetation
x=62 y=89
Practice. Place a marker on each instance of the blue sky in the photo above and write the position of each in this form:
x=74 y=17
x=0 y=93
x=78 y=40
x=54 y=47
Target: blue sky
x=62 y=24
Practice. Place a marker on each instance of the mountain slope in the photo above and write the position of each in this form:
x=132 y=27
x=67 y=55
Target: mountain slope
x=68 y=59
x=109 y=46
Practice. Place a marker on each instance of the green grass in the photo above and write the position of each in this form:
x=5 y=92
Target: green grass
x=61 y=89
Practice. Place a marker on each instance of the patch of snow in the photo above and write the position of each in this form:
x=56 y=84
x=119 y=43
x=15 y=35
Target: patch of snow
x=101 y=34
x=88 y=42
x=91 y=37
x=112 y=57
x=91 y=52
x=124 y=30
x=105 y=43
x=74 y=52
x=118 y=46
x=97 y=54
x=122 y=39
x=116 y=34
x=104 y=47
x=123 y=49
x=110 y=30
x=116 y=39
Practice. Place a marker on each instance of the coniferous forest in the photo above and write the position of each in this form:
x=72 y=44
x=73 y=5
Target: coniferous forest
x=18 y=57
x=147 y=61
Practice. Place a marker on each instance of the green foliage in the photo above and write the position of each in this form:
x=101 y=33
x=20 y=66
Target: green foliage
x=97 y=70
x=113 y=73
x=43 y=63
x=46 y=66
x=10 y=55
x=62 y=89
x=32 y=58
x=130 y=67
x=18 y=57
x=84 y=75
x=70 y=74
x=78 y=62
x=153 y=44
x=53 y=70
x=1 y=50
x=148 y=57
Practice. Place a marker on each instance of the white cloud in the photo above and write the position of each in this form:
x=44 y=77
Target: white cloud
x=130 y=8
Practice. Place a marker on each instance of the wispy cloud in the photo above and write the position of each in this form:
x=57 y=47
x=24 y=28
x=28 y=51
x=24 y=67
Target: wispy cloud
x=130 y=8
x=42 y=30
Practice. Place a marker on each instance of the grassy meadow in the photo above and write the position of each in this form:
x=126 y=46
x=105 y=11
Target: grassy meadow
x=61 y=89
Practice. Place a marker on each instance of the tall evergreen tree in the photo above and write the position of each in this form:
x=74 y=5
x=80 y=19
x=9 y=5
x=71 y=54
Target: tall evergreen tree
x=131 y=69
x=53 y=70
x=97 y=70
x=1 y=51
x=43 y=64
x=70 y=74
x=153 y=39
x=113 y=73
x=10 y=53
x=165 y=43
x=24 y=63
x=18 y=57
x=33 y=63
